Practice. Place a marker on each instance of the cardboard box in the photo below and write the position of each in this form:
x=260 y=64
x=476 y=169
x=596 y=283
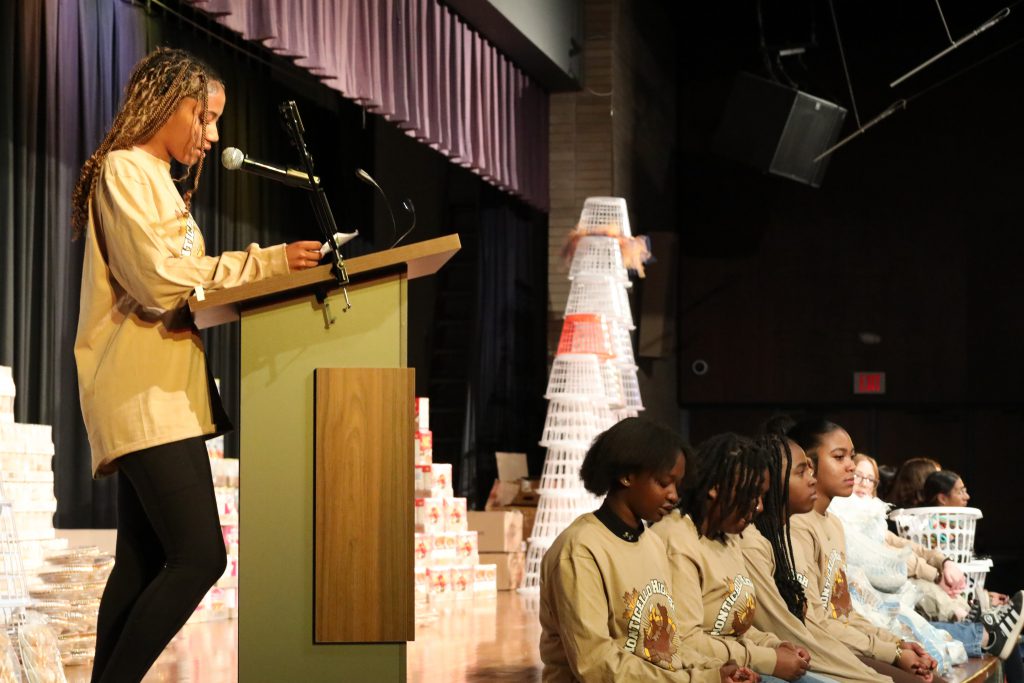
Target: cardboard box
x=430 y=515
x=509 y=568
x=512 y=487
x=455 y=514
x=422 y=414
x=499 y=531
x=423 y=447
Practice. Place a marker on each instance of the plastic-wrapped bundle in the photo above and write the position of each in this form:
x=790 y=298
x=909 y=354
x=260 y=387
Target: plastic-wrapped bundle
x=895 y=612
x=864 y=523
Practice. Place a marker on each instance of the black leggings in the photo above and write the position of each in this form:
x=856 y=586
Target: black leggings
x=169 y=553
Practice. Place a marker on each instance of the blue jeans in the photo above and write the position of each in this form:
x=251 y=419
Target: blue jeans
x=967 y=632
x=806 y=678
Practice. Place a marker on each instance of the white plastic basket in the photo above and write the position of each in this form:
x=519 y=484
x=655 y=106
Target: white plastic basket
x=613 y=386
x=605 y=216
x=975 y=572
x=534 y=556
x=601 y=296
x=586 y=333
x=622 y=346
x=576 y=377
x=562 y=470
x=630 y=389
x=947 y=529
x=555 y=512
x=570 y=424
x=597 y=256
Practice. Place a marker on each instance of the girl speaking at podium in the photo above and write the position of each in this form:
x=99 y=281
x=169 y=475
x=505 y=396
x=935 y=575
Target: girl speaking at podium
x=146 y=394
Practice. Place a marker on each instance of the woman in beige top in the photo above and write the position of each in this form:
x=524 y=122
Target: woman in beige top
x=146 y=394
x=606 y=606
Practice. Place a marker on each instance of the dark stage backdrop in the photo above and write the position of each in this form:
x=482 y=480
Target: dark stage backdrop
x=64 y=65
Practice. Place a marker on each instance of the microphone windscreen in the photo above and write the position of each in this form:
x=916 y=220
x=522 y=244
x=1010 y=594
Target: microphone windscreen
x=232 y=158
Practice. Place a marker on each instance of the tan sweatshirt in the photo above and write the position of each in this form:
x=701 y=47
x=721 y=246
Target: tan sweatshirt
x=923 y=563
x=819 y=546
x=715 y=599
x=828 y=656
x=142 y=375
x=607 y=614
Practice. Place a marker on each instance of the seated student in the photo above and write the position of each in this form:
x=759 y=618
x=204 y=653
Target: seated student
x=905 y=490
x=924 y=563
x=768 y=555
x=606 y=608
x=819 y=547
x=715 y=599
x=1005 y=622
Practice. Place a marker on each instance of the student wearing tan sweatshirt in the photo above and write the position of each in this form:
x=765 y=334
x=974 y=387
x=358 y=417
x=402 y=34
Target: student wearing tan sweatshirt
x=715 y=597
x=606 y=606
x=147 y=397
x=768 y=555
x=819 y=547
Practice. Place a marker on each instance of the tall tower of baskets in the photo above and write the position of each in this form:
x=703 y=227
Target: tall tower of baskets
x=593 y=382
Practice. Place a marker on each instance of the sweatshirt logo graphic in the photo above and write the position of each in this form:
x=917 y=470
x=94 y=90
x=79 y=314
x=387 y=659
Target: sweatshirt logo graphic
x=190 y=235
x=651 y=626
x=740 y=603
x=836 y=595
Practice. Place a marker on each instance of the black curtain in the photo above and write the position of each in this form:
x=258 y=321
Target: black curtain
x=505 y=406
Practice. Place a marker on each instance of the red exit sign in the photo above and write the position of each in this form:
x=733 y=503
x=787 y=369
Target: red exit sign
x=869 y=382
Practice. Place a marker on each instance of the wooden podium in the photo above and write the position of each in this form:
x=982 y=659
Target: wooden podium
x=326 y=510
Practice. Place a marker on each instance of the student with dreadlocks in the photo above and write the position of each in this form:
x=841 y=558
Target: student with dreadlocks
x=606 y=609
x=145 y=390
x=819 y=546
x=768 y=556
x=715 y=598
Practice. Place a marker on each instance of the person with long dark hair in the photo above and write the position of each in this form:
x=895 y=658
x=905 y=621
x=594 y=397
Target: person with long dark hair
x=768 y=554
x=715 y=597
x=147 y=396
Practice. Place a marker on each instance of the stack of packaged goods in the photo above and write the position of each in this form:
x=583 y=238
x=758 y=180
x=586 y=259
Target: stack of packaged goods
x=221 y=602
x=447 y=554
x=64 y=584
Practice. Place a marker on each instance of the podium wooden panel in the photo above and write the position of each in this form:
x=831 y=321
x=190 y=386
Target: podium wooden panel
x=284 y=341
x=364 y=465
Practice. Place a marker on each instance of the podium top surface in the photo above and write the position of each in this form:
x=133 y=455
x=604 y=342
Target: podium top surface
x=418 y=259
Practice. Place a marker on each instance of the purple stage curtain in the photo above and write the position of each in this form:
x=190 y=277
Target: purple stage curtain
x=418 y=65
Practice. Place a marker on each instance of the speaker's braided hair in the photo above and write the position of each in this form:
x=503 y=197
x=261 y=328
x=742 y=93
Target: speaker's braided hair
x=158 y=84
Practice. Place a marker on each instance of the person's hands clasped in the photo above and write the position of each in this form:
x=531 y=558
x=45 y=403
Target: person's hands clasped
x=915 y=660
x=789 y=665
x=800 y=651
x=952 y=579
x=303 y=255
x=730 y=673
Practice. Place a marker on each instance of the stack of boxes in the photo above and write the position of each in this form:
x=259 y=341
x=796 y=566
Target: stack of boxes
x=448 y=566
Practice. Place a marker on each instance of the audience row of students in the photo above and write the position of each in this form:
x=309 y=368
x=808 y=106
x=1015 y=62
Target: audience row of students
x=741 y=577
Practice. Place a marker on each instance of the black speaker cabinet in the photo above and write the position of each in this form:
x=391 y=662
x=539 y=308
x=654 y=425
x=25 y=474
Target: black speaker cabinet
x=778 y=129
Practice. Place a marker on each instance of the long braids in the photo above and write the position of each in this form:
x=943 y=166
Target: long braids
x=733 y=465
x=157 y=85
x=773 y=523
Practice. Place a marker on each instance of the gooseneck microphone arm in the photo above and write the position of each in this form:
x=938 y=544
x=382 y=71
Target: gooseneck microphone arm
x=318 y=198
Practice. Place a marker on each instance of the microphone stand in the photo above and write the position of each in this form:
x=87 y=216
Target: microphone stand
x=321 y=208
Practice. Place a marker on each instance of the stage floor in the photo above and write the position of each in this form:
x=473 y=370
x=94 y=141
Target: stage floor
x=462 y=642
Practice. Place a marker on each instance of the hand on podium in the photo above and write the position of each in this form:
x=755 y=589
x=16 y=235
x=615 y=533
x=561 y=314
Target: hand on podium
x=303 y=255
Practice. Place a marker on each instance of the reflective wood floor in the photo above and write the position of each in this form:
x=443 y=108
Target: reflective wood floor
x=493 y=640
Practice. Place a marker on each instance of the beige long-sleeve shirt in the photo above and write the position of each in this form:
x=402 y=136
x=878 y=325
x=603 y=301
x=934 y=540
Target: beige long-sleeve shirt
x=142 y=374
x=715 y=598
x=607 y=613
x=819 y=546
x=828 y=656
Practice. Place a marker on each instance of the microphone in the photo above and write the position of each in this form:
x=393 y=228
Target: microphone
x=235 y=159
x=407 y=206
